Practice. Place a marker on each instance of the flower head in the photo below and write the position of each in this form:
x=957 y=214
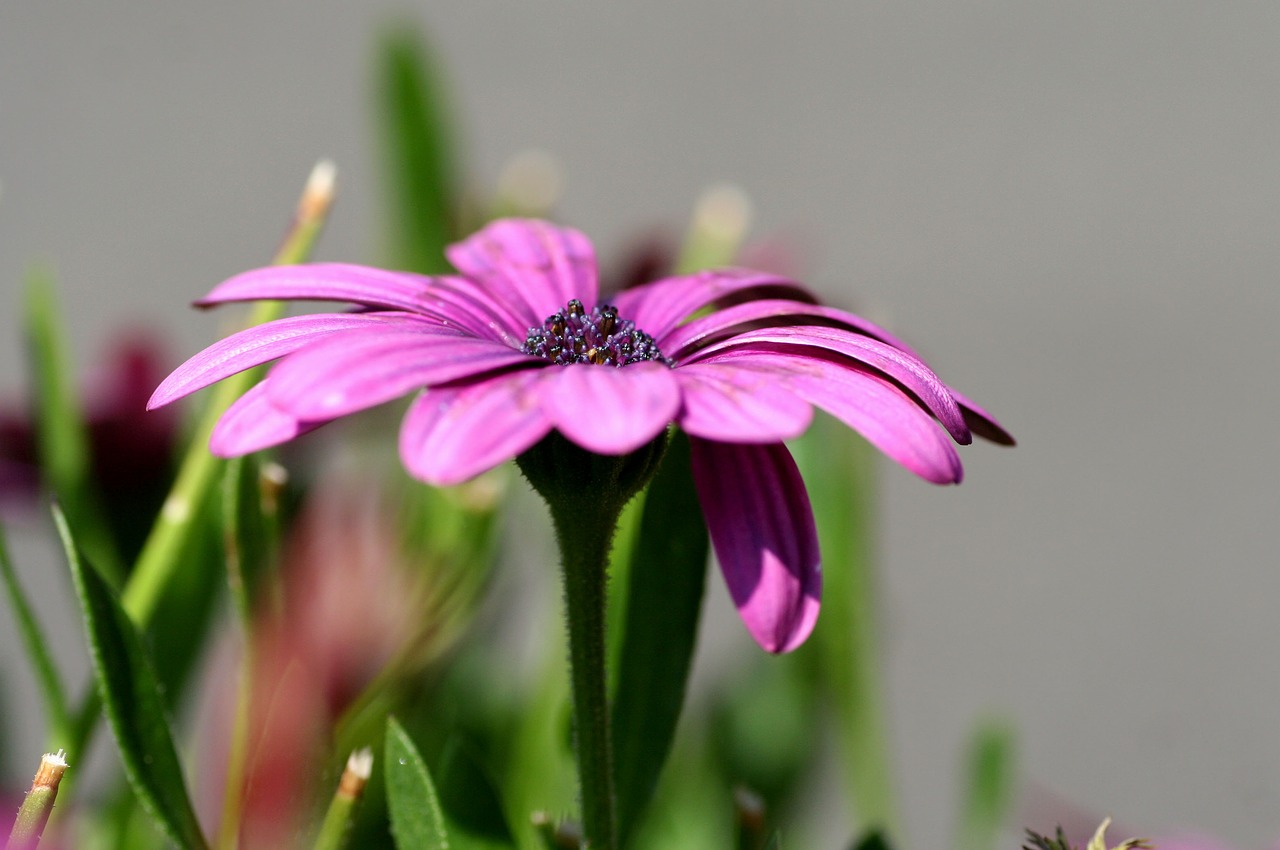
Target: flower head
x=519 y=344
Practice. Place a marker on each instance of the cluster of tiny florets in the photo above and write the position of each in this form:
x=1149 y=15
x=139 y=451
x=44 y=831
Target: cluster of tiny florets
x=601 y=337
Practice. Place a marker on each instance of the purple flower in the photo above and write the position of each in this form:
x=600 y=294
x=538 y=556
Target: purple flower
x=518 y=345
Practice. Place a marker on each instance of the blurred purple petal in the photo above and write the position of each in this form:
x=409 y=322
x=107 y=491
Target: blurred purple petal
x=734 y=405
x=764 y=536
x=453 y=434
x=258 y=345
x=357 y=284
x=340 y=376
x=253 y=423
x=910 y=372
x=611 y=411
x=662 y=305
x=534 y=263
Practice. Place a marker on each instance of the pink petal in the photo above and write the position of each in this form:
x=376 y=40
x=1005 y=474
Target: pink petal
x=763 y=532
x=531 y=263
x=772 y=312
x=909 y=371
x=658 y=307
x=611 y=410
x=981 y=423
x=252 y=423
x=452 y=434
x=325 y=282
x=258 y=345
x=734 y=405
x=344 y=375
x=868 y=404
x=467 y=305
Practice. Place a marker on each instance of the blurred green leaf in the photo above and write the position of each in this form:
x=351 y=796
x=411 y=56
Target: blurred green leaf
x=989 y=786
x=764 y=729
x=874 y=840
x=414 y=130
x=839 y=472
x=470 y=802
x=52 y=694
x=693 y=807
x=664 y=598
x=131 y=696
x=62 y=435
x=248 y=533
x=417 y=821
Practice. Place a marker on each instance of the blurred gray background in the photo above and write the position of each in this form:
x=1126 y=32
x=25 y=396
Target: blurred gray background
x=1070 y=208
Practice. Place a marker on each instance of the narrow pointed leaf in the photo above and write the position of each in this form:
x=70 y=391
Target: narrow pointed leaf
x=839 y=471
x=52 y=693
x=417 y=153
x=417 y=821
x=668 y=570
x=989 y=786
x=62 y=434
x=132 y=701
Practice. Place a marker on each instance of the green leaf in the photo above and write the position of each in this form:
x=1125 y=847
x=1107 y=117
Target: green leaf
x=839 y=472
x=131 y=696
x=417 y=153
x=247 y=531
x=52 y=694
x=470 y=802
x=664 y=598
x=989 y=786
x=874 y=840
x=417 y=821
x=62 y=435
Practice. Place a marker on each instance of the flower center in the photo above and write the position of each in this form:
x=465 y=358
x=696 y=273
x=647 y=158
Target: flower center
x=600 y=337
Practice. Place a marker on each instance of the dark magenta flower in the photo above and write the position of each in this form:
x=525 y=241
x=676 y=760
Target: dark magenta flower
x=518 y=344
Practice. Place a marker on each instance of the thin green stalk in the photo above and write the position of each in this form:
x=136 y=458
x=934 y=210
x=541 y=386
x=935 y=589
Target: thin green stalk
x=198 y=476
x=584 y=547
x=336 y=828
x=38 y=805
x=161 y=555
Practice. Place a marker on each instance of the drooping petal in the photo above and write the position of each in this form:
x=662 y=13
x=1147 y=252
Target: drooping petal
x=261 y=344
x=731 y=405
x=867 y=403
x=532 y=263
x=981 y=423
x=772 y=312
x=452 y=434
x=610 y=410
x=253 y=423
x=341 y=376
x=660 y=306
x=905 y=369
x=764 y=536
x=378 y=288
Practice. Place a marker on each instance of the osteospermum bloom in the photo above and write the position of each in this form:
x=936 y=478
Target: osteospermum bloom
x=518 y=345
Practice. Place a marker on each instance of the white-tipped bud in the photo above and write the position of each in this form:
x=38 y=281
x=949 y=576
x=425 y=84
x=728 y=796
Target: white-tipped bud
x=723 y=213
x=52 y=766
x=531 y=183
x=317 y=197
x=356 y=776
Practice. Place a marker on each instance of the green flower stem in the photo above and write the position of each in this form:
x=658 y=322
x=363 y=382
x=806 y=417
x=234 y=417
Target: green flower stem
x=38 y=805
x=586 y=494
x=162 y=554
x=336 y=828
x=585 y=538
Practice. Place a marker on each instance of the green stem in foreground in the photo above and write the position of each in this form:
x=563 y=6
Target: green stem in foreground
x=584 y=549
x=586 y=493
